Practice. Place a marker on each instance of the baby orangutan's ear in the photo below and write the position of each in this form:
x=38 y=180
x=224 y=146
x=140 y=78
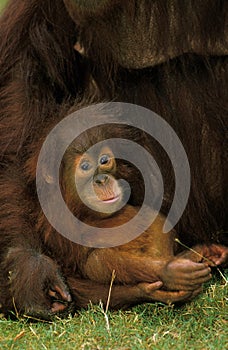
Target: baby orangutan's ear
x=80 y=49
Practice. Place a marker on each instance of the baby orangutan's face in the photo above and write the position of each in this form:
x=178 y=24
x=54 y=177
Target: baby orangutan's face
x=96 y=184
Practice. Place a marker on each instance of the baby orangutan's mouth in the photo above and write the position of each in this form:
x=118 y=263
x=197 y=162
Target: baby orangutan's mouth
x=111 y=199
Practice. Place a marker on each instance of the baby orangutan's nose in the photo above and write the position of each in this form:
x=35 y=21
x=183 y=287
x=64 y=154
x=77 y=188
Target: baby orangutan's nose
x=101 y=179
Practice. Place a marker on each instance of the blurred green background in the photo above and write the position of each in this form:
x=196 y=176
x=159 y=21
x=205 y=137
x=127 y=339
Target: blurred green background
x=2 y=3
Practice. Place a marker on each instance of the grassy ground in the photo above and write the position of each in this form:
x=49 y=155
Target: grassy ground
x=199 y=325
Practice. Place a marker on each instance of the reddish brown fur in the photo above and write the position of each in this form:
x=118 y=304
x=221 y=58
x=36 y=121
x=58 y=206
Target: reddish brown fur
x=185 y=82
x=151 y=256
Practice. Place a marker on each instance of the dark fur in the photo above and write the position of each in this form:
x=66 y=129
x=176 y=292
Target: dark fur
x=183 y=78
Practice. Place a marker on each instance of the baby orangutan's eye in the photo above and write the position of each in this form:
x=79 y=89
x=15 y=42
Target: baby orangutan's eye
x=104 y=159
x=85 y=165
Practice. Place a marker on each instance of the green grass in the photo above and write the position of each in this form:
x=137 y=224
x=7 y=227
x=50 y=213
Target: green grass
x=201 y=324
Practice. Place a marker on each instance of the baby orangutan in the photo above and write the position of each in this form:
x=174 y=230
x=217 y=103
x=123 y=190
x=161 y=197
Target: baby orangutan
x=94 y=193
